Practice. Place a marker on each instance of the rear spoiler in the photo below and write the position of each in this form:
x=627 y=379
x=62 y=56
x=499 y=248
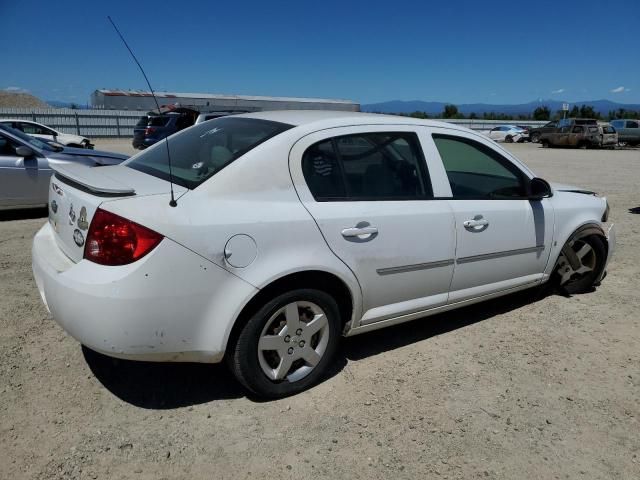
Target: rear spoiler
x=91 y=179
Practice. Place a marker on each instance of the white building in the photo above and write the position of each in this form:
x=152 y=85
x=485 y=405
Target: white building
x=204 y=102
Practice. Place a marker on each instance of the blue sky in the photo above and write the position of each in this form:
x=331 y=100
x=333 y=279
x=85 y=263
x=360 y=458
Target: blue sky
x=369 y=51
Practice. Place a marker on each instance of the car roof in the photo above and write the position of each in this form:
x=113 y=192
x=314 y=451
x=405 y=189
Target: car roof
x=336 y=118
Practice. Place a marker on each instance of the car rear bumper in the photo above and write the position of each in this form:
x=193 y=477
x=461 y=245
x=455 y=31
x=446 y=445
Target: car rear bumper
x=172 y=305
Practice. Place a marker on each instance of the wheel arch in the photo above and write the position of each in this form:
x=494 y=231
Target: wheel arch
x=584 y=230
x=317 y=279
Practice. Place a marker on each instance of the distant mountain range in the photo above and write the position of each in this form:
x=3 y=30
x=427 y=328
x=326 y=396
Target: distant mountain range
x=433 y=108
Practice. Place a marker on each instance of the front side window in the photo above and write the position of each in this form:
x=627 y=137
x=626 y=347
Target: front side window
x=476 y=171
x=200 y=152
x=368 y=166
x=578 y=130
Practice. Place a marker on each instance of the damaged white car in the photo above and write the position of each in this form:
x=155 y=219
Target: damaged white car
x=507 y=134
x=291 y=229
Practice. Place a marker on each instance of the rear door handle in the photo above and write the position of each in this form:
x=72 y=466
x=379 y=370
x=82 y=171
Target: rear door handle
x=358 y=231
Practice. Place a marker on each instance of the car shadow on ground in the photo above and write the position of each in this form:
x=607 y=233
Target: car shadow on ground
x=174 y=385
x=26 y=214
x=163 y=385
x=634 y=210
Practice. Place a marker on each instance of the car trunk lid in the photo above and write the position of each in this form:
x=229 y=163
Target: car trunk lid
x=77 y=191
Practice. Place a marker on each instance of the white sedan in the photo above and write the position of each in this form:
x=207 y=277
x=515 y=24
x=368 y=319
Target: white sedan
x=507 y=134
x=47 y=133
x=294 y=228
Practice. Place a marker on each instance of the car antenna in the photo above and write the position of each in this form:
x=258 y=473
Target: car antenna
x=172 y=202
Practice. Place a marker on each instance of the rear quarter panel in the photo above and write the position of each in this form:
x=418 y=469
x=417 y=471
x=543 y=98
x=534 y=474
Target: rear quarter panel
x=252 y=196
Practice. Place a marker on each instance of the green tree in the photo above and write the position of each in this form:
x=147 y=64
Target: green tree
x=418 y=114
x=473 y=115
x=542 y=113
x=450 y=111
x=587 y=111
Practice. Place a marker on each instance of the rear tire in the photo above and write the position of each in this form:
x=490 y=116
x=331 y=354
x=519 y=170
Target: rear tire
x=592 y=253
x=288 y=344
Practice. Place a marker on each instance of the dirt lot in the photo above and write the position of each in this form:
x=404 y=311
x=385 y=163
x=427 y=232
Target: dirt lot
x=527 y=386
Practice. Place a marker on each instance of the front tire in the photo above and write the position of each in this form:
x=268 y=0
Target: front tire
x=591 y=253
x=508 y=139
x=287 y=345
x=535 y=137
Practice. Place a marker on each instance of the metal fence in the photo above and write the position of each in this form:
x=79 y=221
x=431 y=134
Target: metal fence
x=479 y=124
x=120 y=123
x=88 y=123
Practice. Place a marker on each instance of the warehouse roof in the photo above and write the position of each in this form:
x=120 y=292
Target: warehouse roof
x=142 y=93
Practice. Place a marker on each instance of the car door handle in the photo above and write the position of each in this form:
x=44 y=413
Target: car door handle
x=358 y=231
x=476 y=224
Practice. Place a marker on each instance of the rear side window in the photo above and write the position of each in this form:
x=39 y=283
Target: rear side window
x=158 y=121
x=368 y=166
x=476 y=171
x=578 y=130
x=200 y=152
x=631 y=124
x=593 y=129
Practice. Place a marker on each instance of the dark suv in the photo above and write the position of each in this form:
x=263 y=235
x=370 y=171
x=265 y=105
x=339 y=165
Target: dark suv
x=153 y=128
x=536 y=133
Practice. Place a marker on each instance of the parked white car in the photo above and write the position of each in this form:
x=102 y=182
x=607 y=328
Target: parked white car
x=507 y=134
x=293 y=228
x=47 y=133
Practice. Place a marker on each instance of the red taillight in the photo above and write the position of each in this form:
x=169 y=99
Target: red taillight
x=149 y=130
x=113 y=240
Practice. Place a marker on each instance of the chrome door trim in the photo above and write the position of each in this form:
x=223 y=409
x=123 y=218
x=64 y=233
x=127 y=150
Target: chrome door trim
x=505 y=253
x=414 y=267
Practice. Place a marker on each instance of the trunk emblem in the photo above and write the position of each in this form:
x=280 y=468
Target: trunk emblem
x=54 y=206
x=57 y=189
x=78 y=237
x=72 y=215
x=82 y=219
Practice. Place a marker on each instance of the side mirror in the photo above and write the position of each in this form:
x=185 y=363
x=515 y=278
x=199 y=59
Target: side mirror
x=23 y=151
x=539 y=189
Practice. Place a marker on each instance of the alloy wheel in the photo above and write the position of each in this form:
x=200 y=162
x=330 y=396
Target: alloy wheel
x=587 y=262
x=293 y=341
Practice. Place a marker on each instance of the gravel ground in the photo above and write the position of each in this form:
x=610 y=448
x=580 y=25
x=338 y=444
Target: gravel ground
x=527 y=386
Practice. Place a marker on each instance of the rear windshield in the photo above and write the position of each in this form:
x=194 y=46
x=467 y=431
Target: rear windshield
x=201 y=151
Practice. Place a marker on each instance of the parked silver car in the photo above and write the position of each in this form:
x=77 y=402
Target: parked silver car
x=25 y=166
